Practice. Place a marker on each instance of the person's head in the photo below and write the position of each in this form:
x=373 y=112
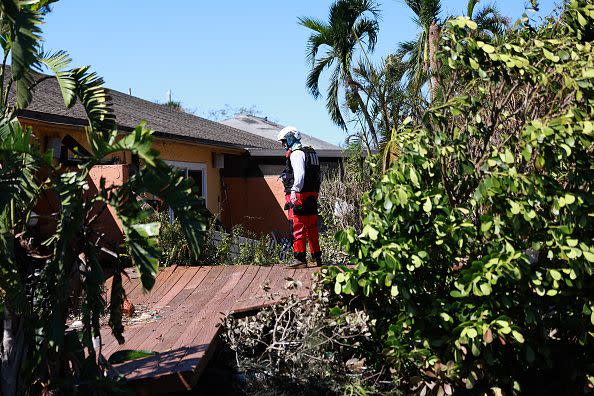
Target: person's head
x=288 y=136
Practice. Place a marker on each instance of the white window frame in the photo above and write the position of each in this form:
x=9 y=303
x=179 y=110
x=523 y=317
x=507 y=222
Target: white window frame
x=194 y=166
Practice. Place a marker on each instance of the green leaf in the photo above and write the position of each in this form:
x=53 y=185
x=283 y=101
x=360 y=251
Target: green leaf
x=515 y=207
x=427 y=206
x=556 y=275
x=485 y=289
x=371 y=232
x=588 y=256
x=142 y=245
x=446 y=317
x=129 y=354
x=335 y=311
x=58 y=63
x=518 y=336
x=337 y=287
x=550 y=56
x=24 y=49
x=413 y=177
x=489 y=49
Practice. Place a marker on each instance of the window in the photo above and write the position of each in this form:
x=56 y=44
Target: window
x=194 y=170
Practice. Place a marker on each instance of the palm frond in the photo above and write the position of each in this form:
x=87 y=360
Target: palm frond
x=332 y=101
x=367 y=29
x=425 y=11
x=490 y=20
x=314 y=24
x=59 y=63
x=24 y=39
x=313 y=76
x=470 y=9
x=94 y=99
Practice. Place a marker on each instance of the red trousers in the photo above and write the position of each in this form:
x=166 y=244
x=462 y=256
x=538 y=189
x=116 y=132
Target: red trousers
x=305 y=227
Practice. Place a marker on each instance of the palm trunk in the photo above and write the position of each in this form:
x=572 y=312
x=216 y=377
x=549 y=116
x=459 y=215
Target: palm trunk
x=434 y=31
x=368 y=120
x=12 y=353
x=350 y=83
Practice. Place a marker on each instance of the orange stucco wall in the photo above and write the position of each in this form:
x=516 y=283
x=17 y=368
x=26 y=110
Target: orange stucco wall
x=256 y=203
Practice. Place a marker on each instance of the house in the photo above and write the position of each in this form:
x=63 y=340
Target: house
x=255 y=193
x=209 y=152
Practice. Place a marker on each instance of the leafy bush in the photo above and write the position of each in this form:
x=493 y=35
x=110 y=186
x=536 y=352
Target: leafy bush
x=476 y=256
x=175 y=248
x=251 y=248
x=341 y=191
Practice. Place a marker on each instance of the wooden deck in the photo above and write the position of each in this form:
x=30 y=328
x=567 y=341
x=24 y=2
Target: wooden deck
x=182 y=316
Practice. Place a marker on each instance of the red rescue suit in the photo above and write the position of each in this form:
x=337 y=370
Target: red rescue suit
x=304 y=181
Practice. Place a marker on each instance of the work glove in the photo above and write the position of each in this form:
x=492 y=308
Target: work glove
x=293 y=197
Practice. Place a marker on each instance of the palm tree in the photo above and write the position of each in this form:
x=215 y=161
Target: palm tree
x=417 y=54
x=381 y=86
x=351 y=23
x=421 y=54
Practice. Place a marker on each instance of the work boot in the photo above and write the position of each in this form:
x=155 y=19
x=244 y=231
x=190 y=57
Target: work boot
x=318 y=258
x=300 y=261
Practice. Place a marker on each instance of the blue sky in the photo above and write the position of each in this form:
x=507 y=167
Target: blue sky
x=212 y=54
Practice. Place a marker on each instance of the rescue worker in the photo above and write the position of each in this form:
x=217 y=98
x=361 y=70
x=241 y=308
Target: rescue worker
x=301 y=180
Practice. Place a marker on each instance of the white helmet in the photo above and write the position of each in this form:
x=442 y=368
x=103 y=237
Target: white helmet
x=282 y=135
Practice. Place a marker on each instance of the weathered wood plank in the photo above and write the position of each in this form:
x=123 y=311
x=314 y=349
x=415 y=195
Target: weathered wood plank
x=136 y=294
x=191 y=302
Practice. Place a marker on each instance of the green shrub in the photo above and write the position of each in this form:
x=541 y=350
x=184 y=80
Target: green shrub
x=476 y=257
x=254 y=249
x=175 y=248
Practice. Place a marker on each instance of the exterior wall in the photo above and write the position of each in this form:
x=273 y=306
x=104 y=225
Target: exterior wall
x=256 y=203
x=45 y=131
x=107 y=226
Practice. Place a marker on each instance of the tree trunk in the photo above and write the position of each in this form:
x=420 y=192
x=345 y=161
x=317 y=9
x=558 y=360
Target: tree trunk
x=434 y=31
x=350 y=83
x=368 y=119
x=11 y=353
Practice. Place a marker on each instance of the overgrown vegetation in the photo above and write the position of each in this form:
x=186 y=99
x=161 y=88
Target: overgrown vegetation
x=295 y=346
x=220 y=248
x=475 y=262
x=340 y=202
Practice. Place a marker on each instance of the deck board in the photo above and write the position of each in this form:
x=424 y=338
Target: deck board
x=138 y=296
x=190 y=303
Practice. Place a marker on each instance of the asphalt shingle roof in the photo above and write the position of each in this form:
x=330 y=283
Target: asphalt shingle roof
x=48 y=105
x=267 y=129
